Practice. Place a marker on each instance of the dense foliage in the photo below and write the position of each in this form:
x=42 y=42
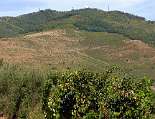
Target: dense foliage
x=79 y=94
x=116 y=22
x=126 y=24
x=87 y=95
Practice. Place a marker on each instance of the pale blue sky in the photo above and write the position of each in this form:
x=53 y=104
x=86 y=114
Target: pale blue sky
x=144 y=8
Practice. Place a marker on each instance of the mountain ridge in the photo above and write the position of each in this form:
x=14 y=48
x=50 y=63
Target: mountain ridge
x=88 y=19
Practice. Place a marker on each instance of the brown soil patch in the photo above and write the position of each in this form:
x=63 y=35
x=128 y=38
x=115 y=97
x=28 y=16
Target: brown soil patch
x=51 y=47
x=136 y=47
x=56 y=48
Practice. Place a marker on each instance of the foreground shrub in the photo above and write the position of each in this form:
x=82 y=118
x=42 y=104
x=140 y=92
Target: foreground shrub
x=87 y=95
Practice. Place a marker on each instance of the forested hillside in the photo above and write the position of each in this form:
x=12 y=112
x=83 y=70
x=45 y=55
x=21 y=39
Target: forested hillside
x=88 y=19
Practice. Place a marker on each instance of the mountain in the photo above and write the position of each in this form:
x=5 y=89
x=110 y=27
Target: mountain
x=131 y=26
x=87 y=38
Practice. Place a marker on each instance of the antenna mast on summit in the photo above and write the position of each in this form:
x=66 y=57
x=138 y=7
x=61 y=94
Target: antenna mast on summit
x=108 y=6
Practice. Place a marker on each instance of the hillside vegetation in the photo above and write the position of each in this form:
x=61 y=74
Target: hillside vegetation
x=71 y=49
x=36 y=49
x=131 y=26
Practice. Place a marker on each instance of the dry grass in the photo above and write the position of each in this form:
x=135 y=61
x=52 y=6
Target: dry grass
x=50 y=48
x=58 y=49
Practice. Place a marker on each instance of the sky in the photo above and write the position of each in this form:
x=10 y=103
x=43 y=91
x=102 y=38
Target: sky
x=145 y=8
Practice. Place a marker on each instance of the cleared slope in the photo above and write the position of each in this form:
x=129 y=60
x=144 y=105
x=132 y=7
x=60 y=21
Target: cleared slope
x=45 y=48
x=61 y=49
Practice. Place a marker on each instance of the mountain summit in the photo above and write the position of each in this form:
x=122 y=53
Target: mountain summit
x=131 y=26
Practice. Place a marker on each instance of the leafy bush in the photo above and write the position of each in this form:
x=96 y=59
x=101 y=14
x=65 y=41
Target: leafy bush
x=87 y=95
x=80 y=94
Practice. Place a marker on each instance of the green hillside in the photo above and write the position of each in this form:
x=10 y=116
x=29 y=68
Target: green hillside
x=118 y=22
